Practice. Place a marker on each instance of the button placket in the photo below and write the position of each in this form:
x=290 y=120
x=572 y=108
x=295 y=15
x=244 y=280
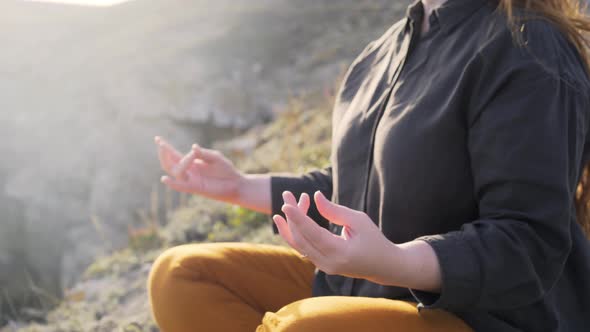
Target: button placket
x=408 y=43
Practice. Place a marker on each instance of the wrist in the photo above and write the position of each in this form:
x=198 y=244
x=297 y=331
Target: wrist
x=243 y=183
x=253 y=192
x=421 y=266
x=393 y=270
x=405 y=265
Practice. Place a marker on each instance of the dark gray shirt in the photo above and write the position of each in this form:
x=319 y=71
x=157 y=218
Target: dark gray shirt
x=473 y=142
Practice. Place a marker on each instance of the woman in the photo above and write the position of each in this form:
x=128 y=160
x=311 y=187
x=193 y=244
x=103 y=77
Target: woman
x=459 y=138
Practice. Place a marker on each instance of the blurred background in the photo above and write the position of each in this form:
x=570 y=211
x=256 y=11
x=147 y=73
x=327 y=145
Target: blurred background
x=84 y=88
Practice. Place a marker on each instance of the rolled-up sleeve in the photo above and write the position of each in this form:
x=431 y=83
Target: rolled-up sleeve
x=307 y=183
x=525 y=145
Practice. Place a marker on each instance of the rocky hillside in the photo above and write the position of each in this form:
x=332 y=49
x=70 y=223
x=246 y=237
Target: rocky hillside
x=84 y=89
x=111 y=295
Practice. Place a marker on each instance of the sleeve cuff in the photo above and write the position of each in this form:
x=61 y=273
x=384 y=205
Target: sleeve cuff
x=278 y=184
x=297 y=185
x=461 y=276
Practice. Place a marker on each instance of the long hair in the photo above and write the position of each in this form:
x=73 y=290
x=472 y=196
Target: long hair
x=570 y=17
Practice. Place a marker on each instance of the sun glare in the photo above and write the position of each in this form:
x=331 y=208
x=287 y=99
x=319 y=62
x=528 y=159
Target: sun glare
x=96 y=3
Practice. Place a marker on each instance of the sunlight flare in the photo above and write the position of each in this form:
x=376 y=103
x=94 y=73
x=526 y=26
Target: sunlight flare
x=95 y=3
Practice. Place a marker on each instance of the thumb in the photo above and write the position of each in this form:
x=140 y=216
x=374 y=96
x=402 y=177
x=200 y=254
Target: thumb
x=335 y=213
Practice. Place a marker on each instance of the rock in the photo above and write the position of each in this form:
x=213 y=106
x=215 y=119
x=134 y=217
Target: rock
x=32 y=314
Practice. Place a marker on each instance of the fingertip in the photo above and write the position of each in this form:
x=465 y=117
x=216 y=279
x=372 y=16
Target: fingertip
x=318 y=196
x=157 y=139
x=289 y=198
x=195 y=147
x=190 y=155
x=286 y=208
x=304 y=201
x=164 y=179
x=281 y=224
x=290 y=210
x=322 y=203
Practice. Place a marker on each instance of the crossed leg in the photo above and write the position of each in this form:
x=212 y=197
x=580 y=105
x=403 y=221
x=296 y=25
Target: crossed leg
x=238 y=286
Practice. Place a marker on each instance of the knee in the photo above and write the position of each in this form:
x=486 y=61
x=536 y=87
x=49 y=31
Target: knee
x=357 y=314
x=165 y=285
x=162 y=274
x=304 y=315
x=342 y=314
x=186 y=262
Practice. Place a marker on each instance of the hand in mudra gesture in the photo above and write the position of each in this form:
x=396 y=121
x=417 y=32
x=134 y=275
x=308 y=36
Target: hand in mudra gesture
x=359 y=251
x=201 y=171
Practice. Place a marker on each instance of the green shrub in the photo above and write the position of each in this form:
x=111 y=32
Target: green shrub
x=242 y=218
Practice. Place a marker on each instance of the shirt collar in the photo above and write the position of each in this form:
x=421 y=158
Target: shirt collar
x=415 y=12
x=449 y=15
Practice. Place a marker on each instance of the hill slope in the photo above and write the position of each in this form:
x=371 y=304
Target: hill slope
x=112 y=295
x=84 y=90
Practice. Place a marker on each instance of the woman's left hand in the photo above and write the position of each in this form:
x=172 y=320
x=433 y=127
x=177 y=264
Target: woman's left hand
x=360 y=251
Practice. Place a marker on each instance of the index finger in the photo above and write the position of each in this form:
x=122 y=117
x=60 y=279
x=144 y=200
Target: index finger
x=320 y=238
x=183 y=164
x=167 y=154
x=164 y=146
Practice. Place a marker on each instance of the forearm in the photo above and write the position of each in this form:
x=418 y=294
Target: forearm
x=254 y=193
x=411 y=265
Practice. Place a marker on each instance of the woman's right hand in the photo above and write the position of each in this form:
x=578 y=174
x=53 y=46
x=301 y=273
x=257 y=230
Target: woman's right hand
x=202 y=171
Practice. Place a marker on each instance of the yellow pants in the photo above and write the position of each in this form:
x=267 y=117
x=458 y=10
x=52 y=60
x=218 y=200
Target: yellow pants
x=235 y=287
